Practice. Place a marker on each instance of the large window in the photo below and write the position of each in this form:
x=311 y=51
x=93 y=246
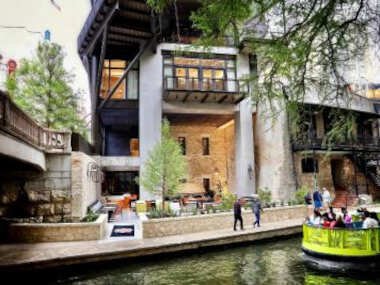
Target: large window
x=112 y=71
x=192 y=73
x=309 y=165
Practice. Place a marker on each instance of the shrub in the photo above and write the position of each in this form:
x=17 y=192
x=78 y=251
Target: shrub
x=228 y=200
x=90 y=217
x=160 y=213
x=265 y=195
x=300 y=194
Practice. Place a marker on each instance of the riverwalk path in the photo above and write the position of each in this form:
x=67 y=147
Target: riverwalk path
x=19 y=257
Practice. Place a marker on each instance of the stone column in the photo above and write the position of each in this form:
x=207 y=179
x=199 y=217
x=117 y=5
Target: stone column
x=150 y=109
x=244 y=150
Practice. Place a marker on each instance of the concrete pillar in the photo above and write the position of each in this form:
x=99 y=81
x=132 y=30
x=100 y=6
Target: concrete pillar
x=244 y=150
x=150 y=109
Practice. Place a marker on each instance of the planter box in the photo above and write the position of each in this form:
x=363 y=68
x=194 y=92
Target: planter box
x=210 y=222
x=55 y=232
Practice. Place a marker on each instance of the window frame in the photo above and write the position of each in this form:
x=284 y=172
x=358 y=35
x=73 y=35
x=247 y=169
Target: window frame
x=200 y=79
x=109 y=67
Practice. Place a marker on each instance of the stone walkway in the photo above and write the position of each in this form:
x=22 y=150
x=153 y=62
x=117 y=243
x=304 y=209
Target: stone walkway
x=47 y=255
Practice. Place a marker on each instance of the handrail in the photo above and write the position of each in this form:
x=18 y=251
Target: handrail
x=205 y=84
x=341 y=241
x=16 y=122
x=354 y=143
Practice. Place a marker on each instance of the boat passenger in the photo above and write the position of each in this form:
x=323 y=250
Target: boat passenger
x=374 y=216
x=317 y=219
x=347 y=219
x=369 y=222
x=339 y=223
x=331 y=215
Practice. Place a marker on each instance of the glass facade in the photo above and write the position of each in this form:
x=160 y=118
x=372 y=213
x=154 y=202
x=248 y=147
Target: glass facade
x=112 y=71
x=192 y=73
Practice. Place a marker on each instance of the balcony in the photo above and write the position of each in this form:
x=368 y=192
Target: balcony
x=205 y=90
x=355 y=144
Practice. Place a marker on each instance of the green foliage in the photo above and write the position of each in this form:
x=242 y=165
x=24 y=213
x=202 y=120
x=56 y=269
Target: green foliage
x=161 y=213
x=165 y=166
x=265 y=195
x=41 y=87
x=228 y=200
x=90 y=217
x=300 y=194
x=306 y=50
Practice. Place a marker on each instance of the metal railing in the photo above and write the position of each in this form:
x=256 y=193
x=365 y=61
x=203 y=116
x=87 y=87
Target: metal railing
x=359 y=143
x=341 y=241
x=205 y=84
x=17 y=123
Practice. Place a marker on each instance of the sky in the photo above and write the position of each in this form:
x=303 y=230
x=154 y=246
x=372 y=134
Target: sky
x=38 y=16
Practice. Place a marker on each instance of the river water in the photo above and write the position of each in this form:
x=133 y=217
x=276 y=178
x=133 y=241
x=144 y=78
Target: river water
x=271 y=262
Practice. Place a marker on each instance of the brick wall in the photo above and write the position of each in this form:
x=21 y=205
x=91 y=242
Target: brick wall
x=220 y=164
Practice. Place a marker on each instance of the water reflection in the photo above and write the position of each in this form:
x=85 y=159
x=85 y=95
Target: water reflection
x=275 y=262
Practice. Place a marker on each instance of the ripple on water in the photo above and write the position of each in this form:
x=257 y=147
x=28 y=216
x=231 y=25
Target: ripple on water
x=273 y=262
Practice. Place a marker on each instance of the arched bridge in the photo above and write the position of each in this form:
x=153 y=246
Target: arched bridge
x=25 y=141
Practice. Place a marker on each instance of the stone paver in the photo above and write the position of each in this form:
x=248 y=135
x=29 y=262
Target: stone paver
x=59 y=253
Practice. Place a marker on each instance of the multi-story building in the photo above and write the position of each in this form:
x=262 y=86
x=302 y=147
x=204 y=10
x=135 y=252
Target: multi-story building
x=140 y=72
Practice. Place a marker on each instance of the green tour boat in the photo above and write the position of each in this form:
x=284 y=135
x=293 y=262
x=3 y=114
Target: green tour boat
x=342 y=249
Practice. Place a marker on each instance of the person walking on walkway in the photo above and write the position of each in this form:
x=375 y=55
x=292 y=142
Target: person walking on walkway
x=237 y=214
x=256 y=209
x=317 y=197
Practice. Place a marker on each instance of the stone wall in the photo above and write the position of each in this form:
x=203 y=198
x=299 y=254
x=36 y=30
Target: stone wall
x=38 y=196
x=273 y=154
x=58 y=232
x=84 y=190
x=210 y=222
x=347 y=177
x=324 y=176
x=219 y=166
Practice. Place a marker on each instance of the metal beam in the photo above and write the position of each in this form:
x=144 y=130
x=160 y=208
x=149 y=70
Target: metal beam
x=125 y=73
x=108 y=17
x=101 y=60
x=186 y=96
x=223 y=98
x=205 y=98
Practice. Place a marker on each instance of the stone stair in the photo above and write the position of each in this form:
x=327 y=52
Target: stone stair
x=344 y=198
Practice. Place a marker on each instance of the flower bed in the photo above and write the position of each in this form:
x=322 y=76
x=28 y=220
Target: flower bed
x=55 y=232
x=216 y=221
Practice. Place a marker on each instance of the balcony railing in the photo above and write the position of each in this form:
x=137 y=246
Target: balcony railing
x=358 y=143
x=205 y=85
x=18 y=124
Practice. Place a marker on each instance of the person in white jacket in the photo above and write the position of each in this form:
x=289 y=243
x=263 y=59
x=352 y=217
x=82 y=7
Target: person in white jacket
x=326 y=198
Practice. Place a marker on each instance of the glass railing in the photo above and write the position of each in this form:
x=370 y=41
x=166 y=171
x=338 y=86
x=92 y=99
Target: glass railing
x=341 y=241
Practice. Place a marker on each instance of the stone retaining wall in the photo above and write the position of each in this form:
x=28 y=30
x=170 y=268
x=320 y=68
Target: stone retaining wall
x=57 y=232
x=209 y=222
x=38 y=196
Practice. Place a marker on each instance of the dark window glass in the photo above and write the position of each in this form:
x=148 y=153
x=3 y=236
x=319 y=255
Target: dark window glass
x=309 y=164
x=182 y=144
x=206 y=184
x=205 y=146
x=120 y=182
